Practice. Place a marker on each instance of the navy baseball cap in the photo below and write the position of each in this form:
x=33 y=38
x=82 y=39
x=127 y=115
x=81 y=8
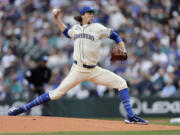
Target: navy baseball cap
x=44 y=58
x=86 y=9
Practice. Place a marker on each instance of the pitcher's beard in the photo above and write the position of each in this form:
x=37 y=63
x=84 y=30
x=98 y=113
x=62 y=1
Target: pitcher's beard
x=89 y=22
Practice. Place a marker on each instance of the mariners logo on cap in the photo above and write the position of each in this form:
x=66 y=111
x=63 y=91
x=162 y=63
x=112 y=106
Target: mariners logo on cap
x=86 y=9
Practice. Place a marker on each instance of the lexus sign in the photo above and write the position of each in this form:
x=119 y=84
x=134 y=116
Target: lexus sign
x=152 y=107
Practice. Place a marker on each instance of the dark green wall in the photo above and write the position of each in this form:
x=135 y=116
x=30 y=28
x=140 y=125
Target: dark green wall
x=103 y=107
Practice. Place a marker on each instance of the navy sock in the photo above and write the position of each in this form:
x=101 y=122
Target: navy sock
x=124 y=95
x=39 y=100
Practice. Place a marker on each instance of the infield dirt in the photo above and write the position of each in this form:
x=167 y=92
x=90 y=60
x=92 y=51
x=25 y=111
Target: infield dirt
x=36 y=124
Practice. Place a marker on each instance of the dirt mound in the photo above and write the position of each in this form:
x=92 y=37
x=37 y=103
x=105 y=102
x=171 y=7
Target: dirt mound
x=32 y=124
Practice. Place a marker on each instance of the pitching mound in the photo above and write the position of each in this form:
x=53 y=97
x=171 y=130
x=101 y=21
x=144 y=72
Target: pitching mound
x=31 y=124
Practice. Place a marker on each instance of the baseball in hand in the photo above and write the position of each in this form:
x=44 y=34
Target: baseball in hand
x=55 y=11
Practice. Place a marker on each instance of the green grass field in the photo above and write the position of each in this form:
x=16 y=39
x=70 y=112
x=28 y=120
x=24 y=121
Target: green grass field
x=152 y=120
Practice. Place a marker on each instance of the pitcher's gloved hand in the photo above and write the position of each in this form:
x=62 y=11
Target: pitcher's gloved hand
x=117 y=54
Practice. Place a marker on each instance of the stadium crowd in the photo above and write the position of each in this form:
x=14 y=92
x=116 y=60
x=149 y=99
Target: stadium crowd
x=149 y=28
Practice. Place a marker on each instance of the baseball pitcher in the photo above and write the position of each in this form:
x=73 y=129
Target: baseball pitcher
x=87 y=40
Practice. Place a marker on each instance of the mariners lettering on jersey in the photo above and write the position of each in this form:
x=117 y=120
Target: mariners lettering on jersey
x=83 y=35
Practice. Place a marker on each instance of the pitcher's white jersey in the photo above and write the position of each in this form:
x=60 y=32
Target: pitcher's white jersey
x=87 y=40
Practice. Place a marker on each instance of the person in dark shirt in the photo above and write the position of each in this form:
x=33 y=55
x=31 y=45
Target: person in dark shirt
x=37 y=78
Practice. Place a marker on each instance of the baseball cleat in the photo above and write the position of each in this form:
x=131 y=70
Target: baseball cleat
x=136 y=120
x=15 y=111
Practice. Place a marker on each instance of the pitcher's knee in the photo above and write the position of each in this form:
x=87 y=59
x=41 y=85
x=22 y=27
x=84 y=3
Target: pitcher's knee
x=122 y=85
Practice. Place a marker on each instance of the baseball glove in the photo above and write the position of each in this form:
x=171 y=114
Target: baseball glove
x=117 y=54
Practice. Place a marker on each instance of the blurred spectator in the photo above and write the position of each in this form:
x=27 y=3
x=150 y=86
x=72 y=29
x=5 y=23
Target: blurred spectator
x=169 y=90
x=116 y=17
x=101 y=90
x=158 y=80
x=145 y=87
x=8 y=60
x=82 y=93
x=160 y=57
x=4 y=93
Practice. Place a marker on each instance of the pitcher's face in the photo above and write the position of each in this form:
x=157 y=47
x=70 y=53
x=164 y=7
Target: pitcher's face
x=88 y=17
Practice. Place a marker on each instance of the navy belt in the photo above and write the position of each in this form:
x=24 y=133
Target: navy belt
x=85 y=66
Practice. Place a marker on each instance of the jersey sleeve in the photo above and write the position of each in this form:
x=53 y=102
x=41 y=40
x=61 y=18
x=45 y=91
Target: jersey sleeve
x=71 y=32
x=104 y=31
